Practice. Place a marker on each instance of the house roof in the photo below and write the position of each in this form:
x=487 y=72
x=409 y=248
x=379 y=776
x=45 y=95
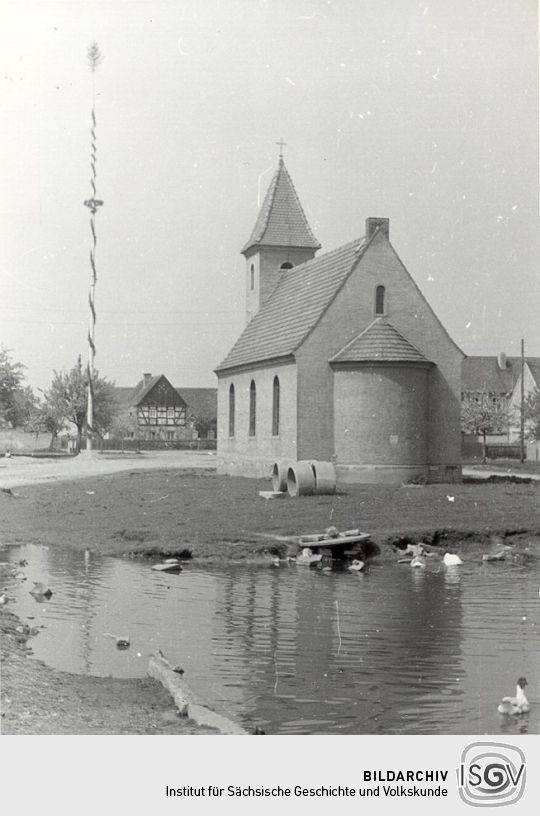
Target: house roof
x=534 y=366
x=484 y=374
x=281 y=220
x=380 y=342
x=123 y=395
x=297 y=301
x=201 y=401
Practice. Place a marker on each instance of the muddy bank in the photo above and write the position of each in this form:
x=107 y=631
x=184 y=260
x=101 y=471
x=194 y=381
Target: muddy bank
x=35 y=699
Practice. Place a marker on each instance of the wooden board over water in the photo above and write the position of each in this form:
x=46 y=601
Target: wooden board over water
x=338 y=541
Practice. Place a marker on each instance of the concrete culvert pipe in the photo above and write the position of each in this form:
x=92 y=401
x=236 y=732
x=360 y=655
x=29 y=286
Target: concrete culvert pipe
x=279 y=477
x=300 y=479
x=325 y=477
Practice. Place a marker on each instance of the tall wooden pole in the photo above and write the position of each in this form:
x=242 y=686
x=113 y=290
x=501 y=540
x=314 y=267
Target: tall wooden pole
x=94 y=59
x=522 y=407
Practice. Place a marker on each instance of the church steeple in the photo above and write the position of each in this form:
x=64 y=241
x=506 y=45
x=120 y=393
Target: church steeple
x=281 y=220
x=280 y=240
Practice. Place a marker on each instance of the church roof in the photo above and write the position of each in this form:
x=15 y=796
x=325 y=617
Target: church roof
x=281 y=220
x=297 y=302
x=380 y=342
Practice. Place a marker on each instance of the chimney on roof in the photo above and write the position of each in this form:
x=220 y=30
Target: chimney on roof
x=146 y=379
x=501 y=360
x=374 y=224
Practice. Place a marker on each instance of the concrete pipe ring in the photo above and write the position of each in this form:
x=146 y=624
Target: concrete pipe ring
x=279 y=477
x=325 y=477
x=300 y=479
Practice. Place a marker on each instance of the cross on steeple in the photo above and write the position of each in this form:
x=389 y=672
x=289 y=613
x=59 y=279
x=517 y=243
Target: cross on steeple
x=281 y=144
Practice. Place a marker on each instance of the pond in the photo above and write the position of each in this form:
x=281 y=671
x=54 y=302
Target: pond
x=391 y=650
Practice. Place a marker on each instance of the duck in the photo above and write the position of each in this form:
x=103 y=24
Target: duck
x=122 y=642
x=451 y=560
x=416 y=550
x=39 y=591
x=356 y=565
x=518 y=704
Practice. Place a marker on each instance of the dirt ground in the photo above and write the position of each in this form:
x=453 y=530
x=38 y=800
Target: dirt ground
x=35 y=699
x=167 y=508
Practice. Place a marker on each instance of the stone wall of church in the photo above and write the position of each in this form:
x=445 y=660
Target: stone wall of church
x=351 y=312
x=243 y=454
x=262 y=272
x=389 y=403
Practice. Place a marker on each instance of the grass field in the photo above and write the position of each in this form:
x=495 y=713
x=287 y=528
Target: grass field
x=222 y=517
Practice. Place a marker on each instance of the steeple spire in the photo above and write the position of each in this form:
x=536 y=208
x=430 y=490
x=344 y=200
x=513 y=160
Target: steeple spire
x=281 y=221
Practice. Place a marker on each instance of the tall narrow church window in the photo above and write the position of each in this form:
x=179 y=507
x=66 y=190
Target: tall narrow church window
x=231 y=410
x=252 y=277
x=252 y=408
x=379 y=300
x=275 y=407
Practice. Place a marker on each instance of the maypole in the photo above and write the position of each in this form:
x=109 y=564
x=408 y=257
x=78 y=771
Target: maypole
x=94 y=59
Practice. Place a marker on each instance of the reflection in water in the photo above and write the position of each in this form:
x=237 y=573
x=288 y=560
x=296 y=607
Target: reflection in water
x=392 y=651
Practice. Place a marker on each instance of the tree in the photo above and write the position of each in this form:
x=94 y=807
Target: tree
x=125 y=425
x=26 y=406
x=482 y=414
x=66 y=400
x=204 y=426
x=11 y=377
x=531 y=412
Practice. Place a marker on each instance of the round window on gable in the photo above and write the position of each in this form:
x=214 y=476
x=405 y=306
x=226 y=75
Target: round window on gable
x=286 y=265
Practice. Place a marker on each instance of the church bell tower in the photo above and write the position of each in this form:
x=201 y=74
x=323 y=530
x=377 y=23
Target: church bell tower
x=280 y=240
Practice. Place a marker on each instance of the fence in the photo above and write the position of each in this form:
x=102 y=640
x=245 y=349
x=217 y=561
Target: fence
x=157 y=444
x=140 y=444
x=471 y=448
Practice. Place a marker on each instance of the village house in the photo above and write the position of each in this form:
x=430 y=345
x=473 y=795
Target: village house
x=498 y=378
x=155 y=410
x=342 y=358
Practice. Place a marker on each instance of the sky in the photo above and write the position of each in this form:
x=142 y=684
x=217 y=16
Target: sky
x=423 y=112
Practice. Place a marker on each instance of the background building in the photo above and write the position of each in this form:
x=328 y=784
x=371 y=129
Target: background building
x=155 y=410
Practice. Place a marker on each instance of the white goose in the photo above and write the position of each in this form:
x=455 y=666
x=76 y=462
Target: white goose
x=518 y=704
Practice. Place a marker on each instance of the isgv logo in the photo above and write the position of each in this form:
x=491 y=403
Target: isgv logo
x=491 y=774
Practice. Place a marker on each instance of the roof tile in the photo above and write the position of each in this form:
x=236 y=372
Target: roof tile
x=281 y=220
x=380 y=342
x=296 y=303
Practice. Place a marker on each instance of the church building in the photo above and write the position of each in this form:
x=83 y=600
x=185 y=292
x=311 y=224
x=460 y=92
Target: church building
x=342 y=359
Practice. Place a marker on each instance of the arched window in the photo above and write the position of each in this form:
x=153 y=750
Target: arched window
x=252 y=277
x=231 y=410
x=275 y=407
x=286 y=265
x=379 y=300
x=252 y=408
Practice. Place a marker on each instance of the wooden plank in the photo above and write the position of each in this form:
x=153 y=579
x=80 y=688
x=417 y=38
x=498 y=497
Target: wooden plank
x=340 y=541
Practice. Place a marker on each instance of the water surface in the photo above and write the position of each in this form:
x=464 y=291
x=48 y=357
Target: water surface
x=390 y=651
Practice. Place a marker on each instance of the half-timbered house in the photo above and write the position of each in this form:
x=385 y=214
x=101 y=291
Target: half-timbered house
x=156 y=410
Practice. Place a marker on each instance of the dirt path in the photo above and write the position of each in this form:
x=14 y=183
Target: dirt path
x=26 y=470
